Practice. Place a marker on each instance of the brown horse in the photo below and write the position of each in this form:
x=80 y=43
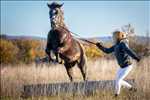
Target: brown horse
x=63 y=44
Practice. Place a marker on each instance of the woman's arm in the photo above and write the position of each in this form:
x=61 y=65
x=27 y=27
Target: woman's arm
x=130 y=52
x=104 y=49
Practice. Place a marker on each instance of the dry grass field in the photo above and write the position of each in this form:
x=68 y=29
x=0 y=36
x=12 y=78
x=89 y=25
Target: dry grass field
x=14 y=78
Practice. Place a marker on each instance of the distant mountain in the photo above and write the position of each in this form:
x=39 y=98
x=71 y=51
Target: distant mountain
x=102 y=39
x=138 y=39
x=10 y=37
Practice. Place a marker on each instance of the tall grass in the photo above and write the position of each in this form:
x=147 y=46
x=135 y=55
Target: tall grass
x=14 y=78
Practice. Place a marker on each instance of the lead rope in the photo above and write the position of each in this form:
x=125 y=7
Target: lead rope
x=80 y=38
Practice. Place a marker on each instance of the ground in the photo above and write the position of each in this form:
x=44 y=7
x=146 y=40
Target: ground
x=13 y=78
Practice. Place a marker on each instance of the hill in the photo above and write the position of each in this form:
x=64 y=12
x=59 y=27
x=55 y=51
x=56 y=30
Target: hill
x=26 y=48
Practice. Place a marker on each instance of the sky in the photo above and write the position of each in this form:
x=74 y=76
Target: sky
x=85 y=18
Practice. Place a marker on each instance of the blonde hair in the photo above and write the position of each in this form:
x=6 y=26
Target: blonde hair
x=118 y=36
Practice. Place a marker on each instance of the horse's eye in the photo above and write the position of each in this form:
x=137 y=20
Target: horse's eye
x=54 y=12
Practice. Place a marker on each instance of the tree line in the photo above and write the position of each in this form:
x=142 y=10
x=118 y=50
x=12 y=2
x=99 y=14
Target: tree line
x=17 y=51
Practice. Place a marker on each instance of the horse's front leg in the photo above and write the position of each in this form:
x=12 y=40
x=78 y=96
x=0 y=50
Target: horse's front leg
x=49 y=53
x=58 y=59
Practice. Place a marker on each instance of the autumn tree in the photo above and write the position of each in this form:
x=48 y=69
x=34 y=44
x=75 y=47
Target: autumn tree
x=8 y=52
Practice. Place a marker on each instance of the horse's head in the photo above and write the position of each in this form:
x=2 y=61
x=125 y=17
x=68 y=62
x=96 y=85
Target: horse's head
x=56 y=14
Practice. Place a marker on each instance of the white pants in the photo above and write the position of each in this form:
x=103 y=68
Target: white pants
x=121 y=74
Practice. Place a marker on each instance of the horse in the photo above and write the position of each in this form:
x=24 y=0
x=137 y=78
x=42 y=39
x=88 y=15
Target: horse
x=62 y=43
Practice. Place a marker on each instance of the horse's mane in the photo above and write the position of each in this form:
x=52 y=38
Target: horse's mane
x=59 y=19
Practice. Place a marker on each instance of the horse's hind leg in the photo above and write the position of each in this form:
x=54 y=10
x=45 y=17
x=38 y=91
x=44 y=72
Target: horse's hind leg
x=69 y=71
x=83 y=66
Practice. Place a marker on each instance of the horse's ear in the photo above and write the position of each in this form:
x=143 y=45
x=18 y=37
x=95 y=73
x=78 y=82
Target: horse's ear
x=54 y=5
x=61 y=4
x=48 y=5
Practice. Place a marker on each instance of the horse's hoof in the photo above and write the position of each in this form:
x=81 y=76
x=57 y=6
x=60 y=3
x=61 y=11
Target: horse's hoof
x=61 y=62
x=85 y=80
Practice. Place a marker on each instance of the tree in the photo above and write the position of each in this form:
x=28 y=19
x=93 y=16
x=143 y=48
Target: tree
x=129 y=29
x=8 y=52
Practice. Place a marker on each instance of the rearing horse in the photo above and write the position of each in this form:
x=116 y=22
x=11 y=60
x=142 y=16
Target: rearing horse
x=63 y=44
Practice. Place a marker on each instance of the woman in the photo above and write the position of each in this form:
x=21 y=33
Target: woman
x=123 y=55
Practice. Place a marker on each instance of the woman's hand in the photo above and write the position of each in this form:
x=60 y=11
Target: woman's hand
x=98 y=44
